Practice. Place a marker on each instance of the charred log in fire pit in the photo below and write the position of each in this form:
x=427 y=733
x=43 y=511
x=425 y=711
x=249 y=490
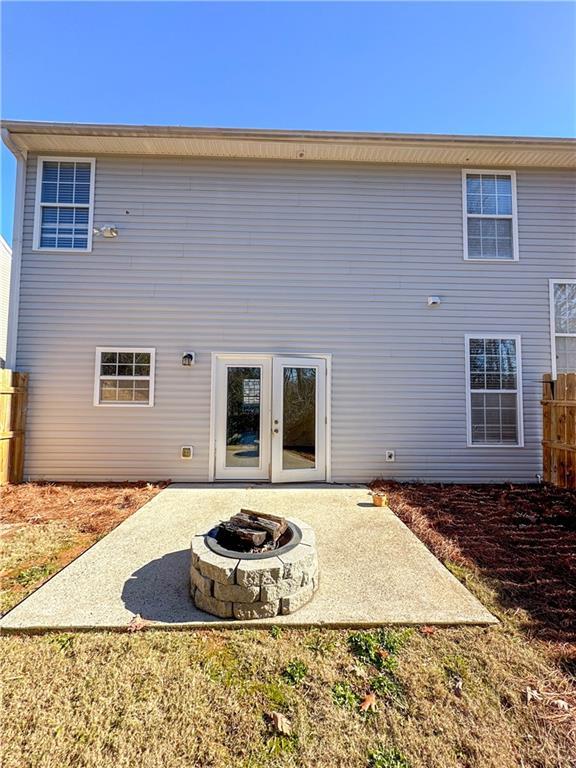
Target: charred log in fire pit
x=250 y=531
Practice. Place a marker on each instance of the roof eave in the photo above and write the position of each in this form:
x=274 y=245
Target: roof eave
x=291 y=145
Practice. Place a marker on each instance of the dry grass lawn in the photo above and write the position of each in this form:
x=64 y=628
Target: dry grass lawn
x=454 y=698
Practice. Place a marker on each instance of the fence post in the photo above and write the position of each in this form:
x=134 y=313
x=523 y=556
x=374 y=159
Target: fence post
x=560 y=434
x=13 y=394
x=571 y=430
x=547 y=427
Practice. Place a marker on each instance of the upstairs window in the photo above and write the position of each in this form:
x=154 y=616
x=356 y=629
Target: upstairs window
x=490 y=220
x=124 y=376
x=64 y=204
x=494 y=391
x=563 y=326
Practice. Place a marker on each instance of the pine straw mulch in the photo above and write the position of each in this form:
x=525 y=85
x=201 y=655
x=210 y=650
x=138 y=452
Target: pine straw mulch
x=522 y=538
x=90 y=507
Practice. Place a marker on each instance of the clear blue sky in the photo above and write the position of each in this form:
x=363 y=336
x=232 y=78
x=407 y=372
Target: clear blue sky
x=492 y=68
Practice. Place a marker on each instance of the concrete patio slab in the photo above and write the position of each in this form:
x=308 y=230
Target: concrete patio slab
x=373 y=570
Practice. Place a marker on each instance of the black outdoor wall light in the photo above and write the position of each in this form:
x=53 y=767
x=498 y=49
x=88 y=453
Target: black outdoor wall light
x=188 y=359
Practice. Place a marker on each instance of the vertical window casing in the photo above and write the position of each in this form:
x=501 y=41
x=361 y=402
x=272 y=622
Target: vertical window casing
x=124 y=376
x=494 y=391
x=490 y=218
x=563 y=326
x=64 y=209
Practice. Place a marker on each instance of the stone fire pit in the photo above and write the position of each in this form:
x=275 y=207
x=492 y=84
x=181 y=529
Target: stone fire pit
x=254 y=584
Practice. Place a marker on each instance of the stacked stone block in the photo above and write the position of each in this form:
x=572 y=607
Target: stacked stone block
x=254 y=589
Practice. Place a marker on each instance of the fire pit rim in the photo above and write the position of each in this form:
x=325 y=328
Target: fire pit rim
x=212 y=543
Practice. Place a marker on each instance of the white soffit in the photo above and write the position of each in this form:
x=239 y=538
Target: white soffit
x=299 y=146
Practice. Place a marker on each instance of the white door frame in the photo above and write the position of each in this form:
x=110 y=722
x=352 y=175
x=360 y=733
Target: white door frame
x=237 y=357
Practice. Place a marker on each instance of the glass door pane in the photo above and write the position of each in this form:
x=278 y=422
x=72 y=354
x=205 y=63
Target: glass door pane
x=243 y=403
x=299 y=418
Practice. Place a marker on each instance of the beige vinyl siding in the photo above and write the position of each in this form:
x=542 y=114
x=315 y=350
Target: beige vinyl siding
x=249 y=256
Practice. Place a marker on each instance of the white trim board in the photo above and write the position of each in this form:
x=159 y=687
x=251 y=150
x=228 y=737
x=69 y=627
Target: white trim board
x=16 y=266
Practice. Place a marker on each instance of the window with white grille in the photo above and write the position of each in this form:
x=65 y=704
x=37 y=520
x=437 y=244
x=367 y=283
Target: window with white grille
x=124 y=376
x=64 y=204
x=490 y=220
x=251 y=391
x=563 y=326
x=494 y=391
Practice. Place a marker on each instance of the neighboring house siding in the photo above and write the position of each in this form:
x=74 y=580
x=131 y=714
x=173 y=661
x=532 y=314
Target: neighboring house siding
x=286 y=257
x=5 y=270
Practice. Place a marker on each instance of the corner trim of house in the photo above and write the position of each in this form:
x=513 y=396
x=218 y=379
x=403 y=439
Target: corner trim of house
x=17 y=236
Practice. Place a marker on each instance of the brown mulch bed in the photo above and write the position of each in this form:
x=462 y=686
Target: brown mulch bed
x=92 y=507
x=522 y=537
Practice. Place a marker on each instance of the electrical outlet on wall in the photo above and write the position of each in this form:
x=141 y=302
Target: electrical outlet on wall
x=390 y=455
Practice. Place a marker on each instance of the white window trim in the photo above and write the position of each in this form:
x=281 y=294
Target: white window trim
x=514 y=217
x=124 y=403
x=519 y=403
x=38 y=204
x=553 y=334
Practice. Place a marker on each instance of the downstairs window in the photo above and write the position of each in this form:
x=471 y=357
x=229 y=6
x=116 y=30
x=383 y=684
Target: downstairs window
x=494 y=391
x=124 y=376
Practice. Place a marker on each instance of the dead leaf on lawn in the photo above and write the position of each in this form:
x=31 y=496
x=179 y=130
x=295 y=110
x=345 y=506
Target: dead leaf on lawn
x=427 y=630
x=369 y=702
x=561 y=704
x=281 y=723
x=137 y=623
x=457 y=688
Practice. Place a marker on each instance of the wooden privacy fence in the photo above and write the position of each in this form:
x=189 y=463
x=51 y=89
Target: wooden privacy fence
x=559 y=430
x=13 y=393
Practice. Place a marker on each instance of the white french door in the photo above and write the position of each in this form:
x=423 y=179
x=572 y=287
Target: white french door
x=298 y=419
x=270 y=418
x=242 y=418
